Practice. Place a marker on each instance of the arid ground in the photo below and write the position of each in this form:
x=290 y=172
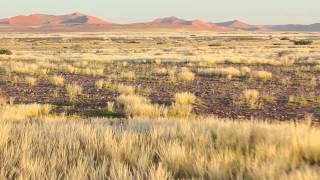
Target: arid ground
x=159 y=105
x=216 y=68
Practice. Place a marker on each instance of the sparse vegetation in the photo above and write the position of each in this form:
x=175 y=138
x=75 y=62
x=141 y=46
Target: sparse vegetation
x=144 y=105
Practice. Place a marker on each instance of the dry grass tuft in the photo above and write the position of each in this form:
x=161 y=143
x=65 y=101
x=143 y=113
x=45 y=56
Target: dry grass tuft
x=110 y=106
x=57 y=80
x=183 y=104
x=245 y=70
x=21 y=112
x=73 y=90
x=225 y=72
x=185 y=75
x=138 y=106
x=185 y=98
x=160 y=71
x=251 y=98
x=99 y=84
x=130 y=75
x=261 y=75
x=31 y=81
x=123 y=89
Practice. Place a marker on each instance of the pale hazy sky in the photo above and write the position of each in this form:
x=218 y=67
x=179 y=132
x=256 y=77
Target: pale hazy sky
x=125 y=11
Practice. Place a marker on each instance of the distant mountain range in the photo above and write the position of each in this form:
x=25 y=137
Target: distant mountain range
x=77 y=22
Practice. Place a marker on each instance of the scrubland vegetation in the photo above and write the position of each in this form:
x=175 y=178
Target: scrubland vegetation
x=174 y=105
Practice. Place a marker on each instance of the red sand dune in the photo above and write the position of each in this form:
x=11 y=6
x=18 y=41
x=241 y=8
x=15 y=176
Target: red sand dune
x=42 y=19
x=82 y=22
x=177 y=23
x=42 y=22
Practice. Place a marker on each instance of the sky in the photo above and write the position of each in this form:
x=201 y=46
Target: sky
x=129 y=11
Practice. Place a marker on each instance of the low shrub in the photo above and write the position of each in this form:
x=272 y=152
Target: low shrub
x=303 y=42
x=5 y=52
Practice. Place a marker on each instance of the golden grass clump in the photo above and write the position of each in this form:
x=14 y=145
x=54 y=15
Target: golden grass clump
x=261 y=75
x=185 y=74
x=21 y=67
x=123 y=89
x=92 y=71
x=73 y=90
x=160 y=71
x=110 y=106
x=226 y=72
x=180 y=110
x=245 y=70
x=183 y=104
x=138 y=106
x=68 y=68
x=23 y=111
x=57 y=80
x=129 y=75
x=172 y=73
x=99 y=84
x=31 y=81
x=185 y=98
x=251 y=98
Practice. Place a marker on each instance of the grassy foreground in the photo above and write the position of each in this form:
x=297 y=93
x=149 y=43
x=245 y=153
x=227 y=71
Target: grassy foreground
x=55 y=148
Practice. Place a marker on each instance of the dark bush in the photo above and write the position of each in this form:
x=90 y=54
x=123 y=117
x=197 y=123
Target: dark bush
x=5 y=51
x=284 y=39
x=284 y=53
x=303 y=42
x=213 y=44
